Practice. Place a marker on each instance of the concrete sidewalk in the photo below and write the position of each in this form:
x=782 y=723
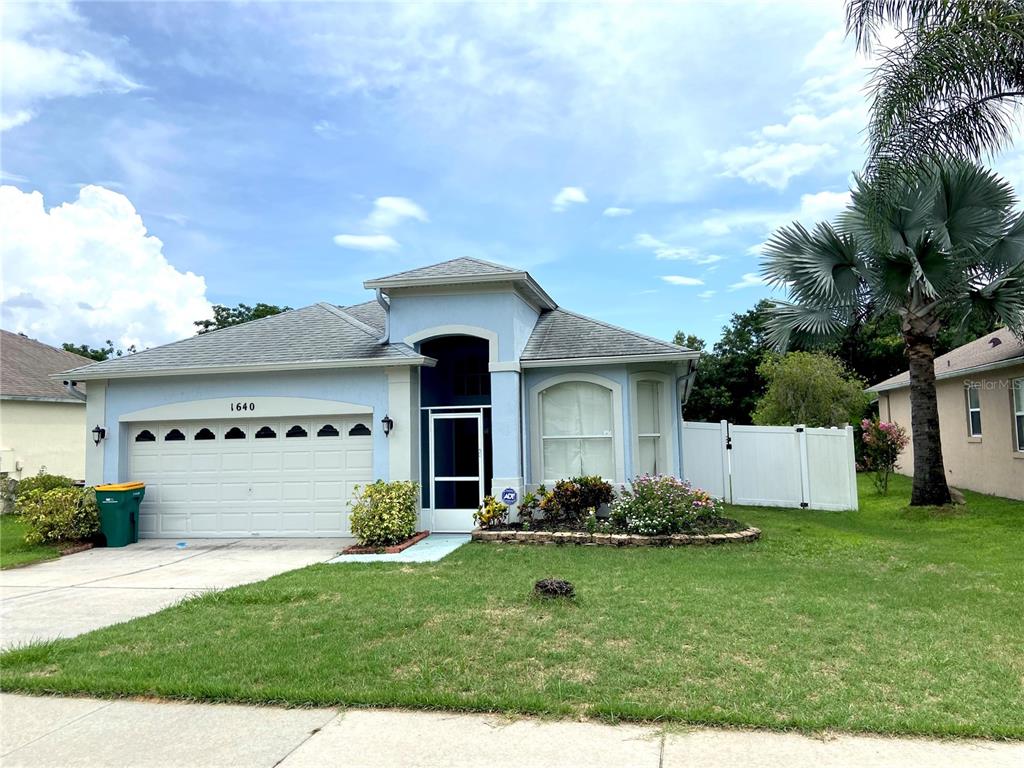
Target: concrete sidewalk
x=42 y=731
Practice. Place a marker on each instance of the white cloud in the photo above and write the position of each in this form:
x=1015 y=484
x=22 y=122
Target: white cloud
x=749 y=280
x=568 y=196
x=665 y=252
x=773 y=164
x=367 y=242
x=44 y=54
x=390 y=211
x=615 y=213
x=705 y=295
x=682 y=280
x=87 y=270
x=821 y=206
x=815 y=207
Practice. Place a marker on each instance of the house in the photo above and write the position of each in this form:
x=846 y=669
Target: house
x=980 y=390
x=42 y=423
x=465 y=376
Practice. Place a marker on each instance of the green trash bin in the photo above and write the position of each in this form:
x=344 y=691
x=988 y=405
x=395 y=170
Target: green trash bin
x=119 y=512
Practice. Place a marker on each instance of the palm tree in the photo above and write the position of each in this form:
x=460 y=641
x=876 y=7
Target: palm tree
x=948 y=88
x=946 y=244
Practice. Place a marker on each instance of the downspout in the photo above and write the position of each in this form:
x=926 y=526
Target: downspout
x=387 y=316
x=70 y=387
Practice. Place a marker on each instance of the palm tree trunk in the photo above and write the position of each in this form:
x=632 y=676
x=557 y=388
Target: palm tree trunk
x=929 y=487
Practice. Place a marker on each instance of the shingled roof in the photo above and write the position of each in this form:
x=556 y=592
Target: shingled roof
x=318 y=336
x=996 y=350
x=26 y=366
x=562 y=335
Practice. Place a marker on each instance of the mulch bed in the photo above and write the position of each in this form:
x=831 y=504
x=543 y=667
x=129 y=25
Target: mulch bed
x=72 y=549
x=559 y=538
x=355 y=549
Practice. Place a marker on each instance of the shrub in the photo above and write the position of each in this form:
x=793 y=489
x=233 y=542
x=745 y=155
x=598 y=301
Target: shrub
x=883 y=442
x=571 y=500
x=41 y=482
x=531 y=504
x=662 y=504
x=384 y=513
x=809 y=388
x=59 y=515
x=491 y=512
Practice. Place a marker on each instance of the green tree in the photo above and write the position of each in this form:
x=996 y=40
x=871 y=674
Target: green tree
x=97 y=353
x=728 y=385
x=949 y=246
x=947 y=89
x=224 y=317
x=810 y=388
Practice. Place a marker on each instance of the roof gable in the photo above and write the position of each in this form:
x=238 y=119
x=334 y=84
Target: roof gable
x=461 y=267
x=27 y=365
x=563 y=335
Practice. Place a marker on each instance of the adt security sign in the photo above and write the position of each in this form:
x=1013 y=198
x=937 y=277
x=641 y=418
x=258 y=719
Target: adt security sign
x=509 y=496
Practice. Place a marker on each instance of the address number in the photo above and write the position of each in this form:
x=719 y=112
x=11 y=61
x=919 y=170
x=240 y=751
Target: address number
x=243 y=406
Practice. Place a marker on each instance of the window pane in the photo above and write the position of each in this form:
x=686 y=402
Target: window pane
x=974 y=397
x=561 y=459
x=1020 y=431
x=975 y=423
x=647 y=394
x=598 y=458
x=576 y=408
x=647 y=461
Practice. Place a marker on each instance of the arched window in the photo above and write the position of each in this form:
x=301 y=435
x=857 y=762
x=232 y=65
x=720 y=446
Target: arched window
x=205 y=434
x=145 y=436
x=359 y=430
x=234 y=434
x=296 y=431
x=327 y=430
x=265 y=432
x=577 y=431
x=648 y=428
x=174 y=435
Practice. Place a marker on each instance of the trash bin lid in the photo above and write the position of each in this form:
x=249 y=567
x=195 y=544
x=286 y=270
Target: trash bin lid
x=121 y=487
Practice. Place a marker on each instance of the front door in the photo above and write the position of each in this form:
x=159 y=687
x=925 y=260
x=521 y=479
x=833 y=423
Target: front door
x=456 y=470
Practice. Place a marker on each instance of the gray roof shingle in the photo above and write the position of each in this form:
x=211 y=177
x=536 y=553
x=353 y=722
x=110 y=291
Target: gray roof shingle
x=369 y=312
x=563 y=335
x=318 y=334
x=461 y=267
x=992 y=350
x=26 y=366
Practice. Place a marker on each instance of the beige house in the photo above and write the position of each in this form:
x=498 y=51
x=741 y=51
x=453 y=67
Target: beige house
x=980 y=388
x=42 y=425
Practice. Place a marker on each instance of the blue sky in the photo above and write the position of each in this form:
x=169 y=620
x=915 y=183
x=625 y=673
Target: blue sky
x=161 y=157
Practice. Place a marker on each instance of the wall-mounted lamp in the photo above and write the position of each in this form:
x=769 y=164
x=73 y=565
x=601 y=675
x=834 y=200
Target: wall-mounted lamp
x=388 y=423
x=98 y=433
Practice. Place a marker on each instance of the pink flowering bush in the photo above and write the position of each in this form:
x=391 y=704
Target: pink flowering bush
x=662 y=504
x=883 y=443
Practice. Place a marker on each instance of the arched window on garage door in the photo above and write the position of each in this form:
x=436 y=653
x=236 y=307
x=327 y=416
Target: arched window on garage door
x=263 y=433
x=297 y=431
x=234 y=434
x=145 y=436
x=175 y=435
x=328 y=430
x=205 y=434
x=359 y=430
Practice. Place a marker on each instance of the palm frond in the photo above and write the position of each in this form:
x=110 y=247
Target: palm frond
x=819 y=266
x=788 y=322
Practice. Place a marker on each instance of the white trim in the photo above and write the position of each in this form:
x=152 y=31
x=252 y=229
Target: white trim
x=1015 y=385
x=458 y=330
x=561 y=362
x=666 y=410
x=42 y=399
x=516 y=279
x=507 y=366
x=312 y=365
x=433 y=478
x=265 y=407
x=971 y=410
x=618 y=439
x=403 y=408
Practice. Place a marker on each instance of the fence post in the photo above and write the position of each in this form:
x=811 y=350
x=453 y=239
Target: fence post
x=805 y=470
x=851 y=462
x=726 y=462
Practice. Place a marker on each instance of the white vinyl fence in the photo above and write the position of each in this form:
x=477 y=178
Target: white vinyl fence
x=772 y=466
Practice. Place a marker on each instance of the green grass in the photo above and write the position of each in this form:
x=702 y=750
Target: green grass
x=13 y=549
x=882 y=620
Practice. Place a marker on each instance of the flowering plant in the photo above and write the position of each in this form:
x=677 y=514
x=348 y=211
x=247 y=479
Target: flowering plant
x=883 y=443
x=491 y=512
x=661 y=504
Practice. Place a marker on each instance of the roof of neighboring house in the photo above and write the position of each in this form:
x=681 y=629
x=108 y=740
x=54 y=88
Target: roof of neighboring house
x=465 y=271
x=26 y=366
x=317 y=336
x=998 y=349
x=562 y=335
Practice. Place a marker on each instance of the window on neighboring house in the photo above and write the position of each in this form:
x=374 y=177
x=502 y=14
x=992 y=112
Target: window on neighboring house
x=648 y=427
x=1018 y=412
x=577 y=433
x=974 y=411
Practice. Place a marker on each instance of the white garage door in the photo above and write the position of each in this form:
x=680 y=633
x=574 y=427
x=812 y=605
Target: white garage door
x=282 y=477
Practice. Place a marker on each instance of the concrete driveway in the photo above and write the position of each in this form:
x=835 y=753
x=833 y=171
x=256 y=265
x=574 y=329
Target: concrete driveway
x=82 y=592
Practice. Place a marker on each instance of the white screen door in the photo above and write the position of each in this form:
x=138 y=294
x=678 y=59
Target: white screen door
x=456 y=469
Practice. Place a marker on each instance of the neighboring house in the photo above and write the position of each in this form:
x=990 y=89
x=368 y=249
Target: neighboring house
x=465 y=376
x=42 y=424
x=980 y=388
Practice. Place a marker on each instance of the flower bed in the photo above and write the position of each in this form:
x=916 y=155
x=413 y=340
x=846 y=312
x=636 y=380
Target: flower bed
x=510 y=536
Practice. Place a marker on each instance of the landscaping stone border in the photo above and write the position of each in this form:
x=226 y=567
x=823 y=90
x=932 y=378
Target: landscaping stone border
x=614 y=539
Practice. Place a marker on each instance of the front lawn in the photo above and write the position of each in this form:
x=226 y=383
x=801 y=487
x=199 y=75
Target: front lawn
x=880 y=620
x=13 y=549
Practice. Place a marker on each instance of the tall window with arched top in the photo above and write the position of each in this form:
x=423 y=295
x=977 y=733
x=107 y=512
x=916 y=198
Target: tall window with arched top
x=577 y=425
x=648 y=428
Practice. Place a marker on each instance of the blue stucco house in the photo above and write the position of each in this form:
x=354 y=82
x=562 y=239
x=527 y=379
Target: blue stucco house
x=465 y=376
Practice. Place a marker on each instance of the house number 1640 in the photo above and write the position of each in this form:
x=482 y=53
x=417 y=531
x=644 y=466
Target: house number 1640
x=243 y=406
